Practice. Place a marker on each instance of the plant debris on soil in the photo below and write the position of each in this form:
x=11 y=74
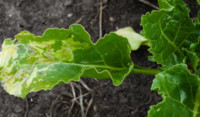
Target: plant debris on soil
x=90 y=97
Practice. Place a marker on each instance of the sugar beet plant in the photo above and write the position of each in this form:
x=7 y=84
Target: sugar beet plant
x=31 y=63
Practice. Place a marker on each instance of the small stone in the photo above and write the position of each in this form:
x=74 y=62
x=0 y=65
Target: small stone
x=95 y=108
x=31 y=99
x=111 y=19
x=69 y=15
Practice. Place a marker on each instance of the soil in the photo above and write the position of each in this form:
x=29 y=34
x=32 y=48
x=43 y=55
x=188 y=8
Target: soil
x=131 y=99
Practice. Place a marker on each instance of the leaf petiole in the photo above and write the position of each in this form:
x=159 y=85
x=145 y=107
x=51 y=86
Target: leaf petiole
x=147 y=71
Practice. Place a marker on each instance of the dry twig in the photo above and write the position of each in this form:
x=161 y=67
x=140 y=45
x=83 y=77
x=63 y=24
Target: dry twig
x=89 y=105
x=73 y=100
x=57 y=101
x=74 y=95
x=80 y=99
x=149 y=4
x=27 y=108
x=79 y=20
x=85 y=85
x=100 y=18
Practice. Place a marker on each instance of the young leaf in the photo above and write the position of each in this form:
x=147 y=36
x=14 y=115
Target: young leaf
x=192 y=59
x=180 y=92
x=169 y=30
x=195 y=47
x=135 y=40
x=31 y=63
x=197 y=19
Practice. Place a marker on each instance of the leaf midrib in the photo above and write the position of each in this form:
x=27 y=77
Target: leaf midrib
x=196 y=105
x=86 y=66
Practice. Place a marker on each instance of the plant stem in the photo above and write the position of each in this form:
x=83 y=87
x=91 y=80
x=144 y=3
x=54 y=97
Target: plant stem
x=147 y=71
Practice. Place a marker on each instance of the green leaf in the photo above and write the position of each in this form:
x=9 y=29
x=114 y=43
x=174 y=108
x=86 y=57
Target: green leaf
x=166 y=4
x=180 y=91
x=31 y=63
x=193 y=55
x=169 y=30
x=135 y=40
x=195 y=47
x=192 y=59
x=198 y=2
x=197 y=19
